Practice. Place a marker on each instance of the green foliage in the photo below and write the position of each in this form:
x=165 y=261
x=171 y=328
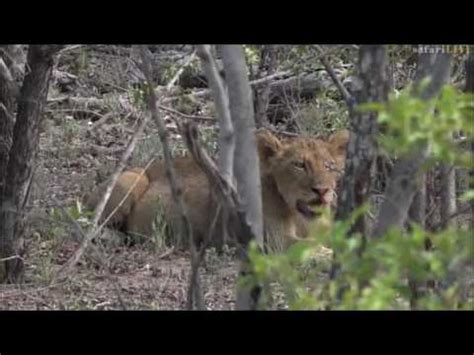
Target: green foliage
x=299 y=59
x=252 y=54
x=138 y=98
x=82 y=61
x=395 y=271
x=161 y=229
x=171 y=67
x=322 y=116
x=187 y=104
x=375 y=278
x=411 y=123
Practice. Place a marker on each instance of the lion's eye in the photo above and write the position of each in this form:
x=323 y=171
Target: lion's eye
x=299 y=164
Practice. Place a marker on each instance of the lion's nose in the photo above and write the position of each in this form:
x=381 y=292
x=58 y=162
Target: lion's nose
x=320 y=191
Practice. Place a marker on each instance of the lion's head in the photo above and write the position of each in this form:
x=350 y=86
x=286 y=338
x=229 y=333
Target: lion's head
x=304 y=171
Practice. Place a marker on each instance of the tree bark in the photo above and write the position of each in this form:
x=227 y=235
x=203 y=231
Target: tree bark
x=447 y=195
x=268 y=65
x=226 y=141
x=246 y=163
x=404 y=181
x=226 y=129
x=417 y=211
x=362 y=150
x=10 y=64
x=22 y=155
x=469 y=88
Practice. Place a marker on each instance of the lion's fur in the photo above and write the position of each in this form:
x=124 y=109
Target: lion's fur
x=319 y=164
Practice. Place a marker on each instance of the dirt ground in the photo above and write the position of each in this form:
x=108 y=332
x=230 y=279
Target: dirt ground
x=72 y=157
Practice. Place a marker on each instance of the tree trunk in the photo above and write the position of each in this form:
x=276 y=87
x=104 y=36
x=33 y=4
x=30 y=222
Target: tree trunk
x=404 y=181
x=417 y=211
x=226 y=129
x=246 y=163
x=469 y=66
x=22 y=154
x=268 y=66
x=362 y=149
x=11 y=64
x=447 y=195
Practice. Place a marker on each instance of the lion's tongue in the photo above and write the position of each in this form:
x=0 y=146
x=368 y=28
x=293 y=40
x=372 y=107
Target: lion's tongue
x=305 y=210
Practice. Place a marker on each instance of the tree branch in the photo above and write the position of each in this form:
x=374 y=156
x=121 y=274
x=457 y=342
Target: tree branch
x=226 y=128
x=345 y=94
x=176 y=189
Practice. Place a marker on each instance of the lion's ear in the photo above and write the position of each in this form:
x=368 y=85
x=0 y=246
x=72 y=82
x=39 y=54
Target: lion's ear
x=338 y=145
x=268 y=146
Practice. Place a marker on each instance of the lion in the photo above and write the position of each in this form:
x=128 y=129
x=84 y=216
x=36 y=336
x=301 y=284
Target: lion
x=297 y=176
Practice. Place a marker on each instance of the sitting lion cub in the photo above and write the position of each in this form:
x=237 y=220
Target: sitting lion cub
x=296 y=176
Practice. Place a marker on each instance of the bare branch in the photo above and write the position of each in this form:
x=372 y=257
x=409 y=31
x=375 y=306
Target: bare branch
x=226 y=128
x=185 y=226
x=345 y=94
x=194 y=288
x=190 y=117
x=94 y=230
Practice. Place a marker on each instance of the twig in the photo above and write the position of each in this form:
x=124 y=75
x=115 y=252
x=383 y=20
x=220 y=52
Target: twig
x=116 y=284
x=70 y=48
x=253 y=83
x=184 y=115
x=194 y=288
x=345 y=94
x=179 y=72
x=94 y=231
x=284 y=133
x=73 y=110
x=166 y=253
x=5 y=74
x=458 y=213
x=12 y=258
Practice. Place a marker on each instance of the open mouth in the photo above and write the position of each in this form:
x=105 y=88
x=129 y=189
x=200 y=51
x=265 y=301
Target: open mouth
x=307 y=208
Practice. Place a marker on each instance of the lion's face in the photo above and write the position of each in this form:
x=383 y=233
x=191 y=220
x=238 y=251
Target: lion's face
x=304 y=170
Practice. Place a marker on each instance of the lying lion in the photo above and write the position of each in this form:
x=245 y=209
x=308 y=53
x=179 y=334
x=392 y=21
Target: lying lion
x=296 y=176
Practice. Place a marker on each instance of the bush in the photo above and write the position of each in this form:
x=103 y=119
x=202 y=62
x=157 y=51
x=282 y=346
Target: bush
x=395 y=271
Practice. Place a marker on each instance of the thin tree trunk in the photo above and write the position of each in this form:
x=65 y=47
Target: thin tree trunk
x=469 y=88
x=226 y=129
x=246 y=163
x=22 y=154
x=195 y=298
x=10 y=70
x=417 y=214
x=448 y=194
x=404 y=181
x=417 y=211
x=268 y=65
x=362 y=151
